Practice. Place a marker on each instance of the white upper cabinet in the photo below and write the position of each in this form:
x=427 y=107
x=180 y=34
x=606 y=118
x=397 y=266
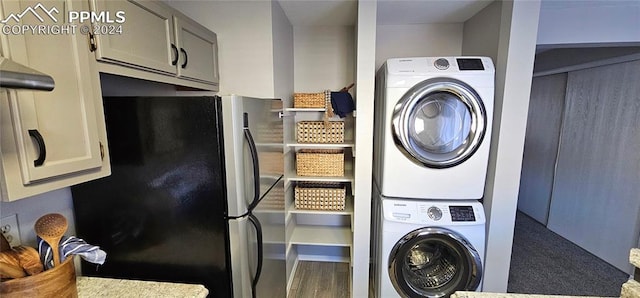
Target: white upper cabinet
x=198 y=48
x=50 y=139
x=157 y=38
x=147 y=38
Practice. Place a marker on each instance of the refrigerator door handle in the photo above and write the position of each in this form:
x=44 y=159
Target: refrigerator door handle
x=256 y=166
x=254 y=282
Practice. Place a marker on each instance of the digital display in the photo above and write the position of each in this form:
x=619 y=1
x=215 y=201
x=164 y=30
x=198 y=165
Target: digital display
x=462 y=213
x=470 y=64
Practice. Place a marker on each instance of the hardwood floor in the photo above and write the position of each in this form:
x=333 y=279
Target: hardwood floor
x=320 y=280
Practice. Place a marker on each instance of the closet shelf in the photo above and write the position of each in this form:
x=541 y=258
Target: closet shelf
x=305 y=110
x=348 y=177
x=322 y=236
x=320 y=146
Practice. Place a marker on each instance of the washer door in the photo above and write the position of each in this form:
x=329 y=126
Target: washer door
x=439 y=122
x=434 y=262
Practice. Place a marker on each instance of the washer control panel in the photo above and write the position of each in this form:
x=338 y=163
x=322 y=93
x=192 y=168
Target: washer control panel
x=433 y=212
x=462 y=213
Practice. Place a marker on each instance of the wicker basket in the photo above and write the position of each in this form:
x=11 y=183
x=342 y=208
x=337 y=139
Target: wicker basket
x=320 y=162
x=318 y=132
x=309 y=100
x=320 y=196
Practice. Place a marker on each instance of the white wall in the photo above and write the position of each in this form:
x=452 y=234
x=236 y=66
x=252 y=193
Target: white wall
x=587 y=22
x=282 y=54
x=514 y=67
x=324 y=57
x=482 y=32
x=418 y=40
x=28 y=210
x=244 y=30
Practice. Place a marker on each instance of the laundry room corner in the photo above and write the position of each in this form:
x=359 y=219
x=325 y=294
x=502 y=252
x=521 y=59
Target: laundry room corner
x=515 y=43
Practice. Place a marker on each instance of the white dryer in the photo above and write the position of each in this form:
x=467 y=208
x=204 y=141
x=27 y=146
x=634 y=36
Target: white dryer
x=433 y=119
x=428 y=248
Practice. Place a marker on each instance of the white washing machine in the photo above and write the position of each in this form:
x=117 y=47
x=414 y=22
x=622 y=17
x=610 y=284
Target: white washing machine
x=428 y=248
x=433 y=119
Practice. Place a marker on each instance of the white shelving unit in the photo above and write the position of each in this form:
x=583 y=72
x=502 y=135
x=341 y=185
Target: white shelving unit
x=317 y=235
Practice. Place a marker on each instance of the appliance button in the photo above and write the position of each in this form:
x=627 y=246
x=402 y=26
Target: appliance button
x=441 y=64
x=434 y=213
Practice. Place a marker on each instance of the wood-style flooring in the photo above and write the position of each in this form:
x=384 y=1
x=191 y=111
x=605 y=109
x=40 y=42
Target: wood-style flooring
x=320 y=280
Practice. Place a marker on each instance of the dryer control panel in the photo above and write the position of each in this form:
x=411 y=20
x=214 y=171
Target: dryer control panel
x=434 y=212
x=439 y=65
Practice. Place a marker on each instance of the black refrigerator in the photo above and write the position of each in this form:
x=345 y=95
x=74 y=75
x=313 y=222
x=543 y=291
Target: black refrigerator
x=184 y=200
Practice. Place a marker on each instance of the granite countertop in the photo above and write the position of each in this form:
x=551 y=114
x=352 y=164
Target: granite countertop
x=108 y=287
x=631 y=289
x=634 y=257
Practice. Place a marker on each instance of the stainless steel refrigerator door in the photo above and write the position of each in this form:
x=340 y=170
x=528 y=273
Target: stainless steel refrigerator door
x=253 y=118
x=266 y=128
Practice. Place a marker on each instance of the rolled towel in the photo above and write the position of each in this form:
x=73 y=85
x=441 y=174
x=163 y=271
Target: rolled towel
x=70 y=246
x=342 y=103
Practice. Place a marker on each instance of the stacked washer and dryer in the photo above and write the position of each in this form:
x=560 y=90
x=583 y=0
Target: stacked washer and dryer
x=432 y=136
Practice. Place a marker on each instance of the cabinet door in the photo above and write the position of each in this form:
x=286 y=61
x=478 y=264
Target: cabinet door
x=61 y=123
x=198 y=51
x=147 y=35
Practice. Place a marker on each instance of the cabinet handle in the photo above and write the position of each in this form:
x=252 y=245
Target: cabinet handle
x=101 y=152
x=34 y=133
x=186 y=57
x=92 y=43
x=175 y=53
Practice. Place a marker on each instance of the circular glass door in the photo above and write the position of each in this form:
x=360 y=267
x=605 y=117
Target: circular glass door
x=434 y=262
x=439 y=123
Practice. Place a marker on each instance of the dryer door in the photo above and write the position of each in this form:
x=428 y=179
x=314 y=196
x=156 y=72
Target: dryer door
x=439 y=123
x=434 y=262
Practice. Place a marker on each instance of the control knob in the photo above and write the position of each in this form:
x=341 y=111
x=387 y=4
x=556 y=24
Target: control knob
x=441 y=64
x=434 y=213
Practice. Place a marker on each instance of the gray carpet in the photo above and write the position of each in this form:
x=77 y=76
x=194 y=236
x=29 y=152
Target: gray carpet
x=542 y=262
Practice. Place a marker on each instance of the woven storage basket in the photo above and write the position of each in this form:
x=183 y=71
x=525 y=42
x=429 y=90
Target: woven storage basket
x=318 y=132
x=320 y=162
x=309 y=100
x=320 y=196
